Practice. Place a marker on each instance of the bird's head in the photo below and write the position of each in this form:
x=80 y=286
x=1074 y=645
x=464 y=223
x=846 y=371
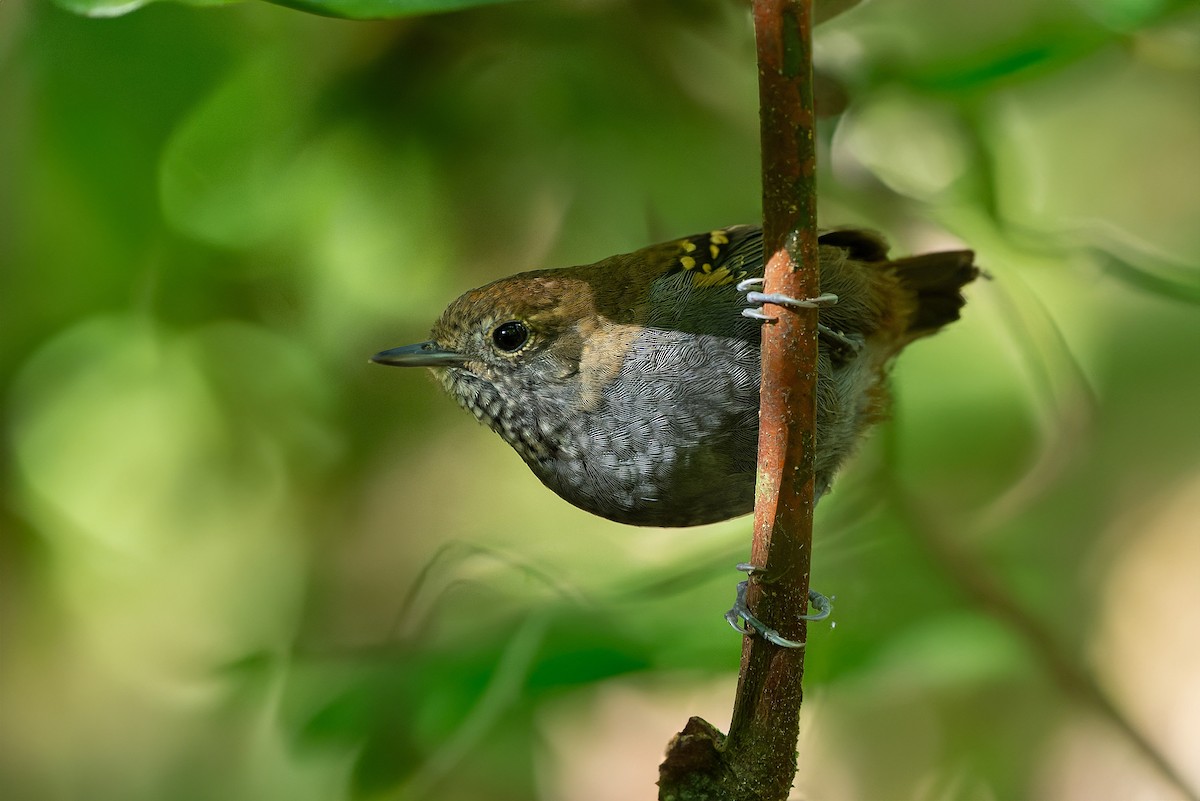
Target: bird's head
x=526 y=354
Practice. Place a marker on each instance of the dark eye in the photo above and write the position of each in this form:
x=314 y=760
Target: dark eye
x=510 y=336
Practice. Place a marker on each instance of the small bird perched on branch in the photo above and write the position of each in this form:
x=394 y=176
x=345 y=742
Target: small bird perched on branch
x=630 y=386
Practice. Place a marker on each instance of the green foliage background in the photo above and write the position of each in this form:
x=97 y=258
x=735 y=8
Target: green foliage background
x=238 y=562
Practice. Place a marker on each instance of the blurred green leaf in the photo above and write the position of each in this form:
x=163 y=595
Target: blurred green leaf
x=1128 y=15
x=115 y=8
x=227 y=173
x=1176 y=281
x=382 y=9
x=350 y=9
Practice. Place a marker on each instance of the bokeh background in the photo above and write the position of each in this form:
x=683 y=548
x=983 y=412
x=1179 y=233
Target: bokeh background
x=239 y=562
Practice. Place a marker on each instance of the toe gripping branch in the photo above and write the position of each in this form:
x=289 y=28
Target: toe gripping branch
x=837 y=338
x=741 y=619
x=826 y=299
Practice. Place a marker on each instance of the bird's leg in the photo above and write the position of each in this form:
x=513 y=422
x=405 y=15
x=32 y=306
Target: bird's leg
x=742 y=619
x=836 y=338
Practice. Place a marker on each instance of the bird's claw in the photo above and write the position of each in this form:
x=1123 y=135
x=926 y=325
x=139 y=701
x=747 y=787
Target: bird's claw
x=760 y=298
x=839 y=340
x=836 y=338
x=822 y=603
x=824 y=299
x=758 y=314
x=742 y=620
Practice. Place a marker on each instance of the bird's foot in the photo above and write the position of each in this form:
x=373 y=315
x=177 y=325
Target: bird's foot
x=844 y=344
x=825 y=299
x=741 y=619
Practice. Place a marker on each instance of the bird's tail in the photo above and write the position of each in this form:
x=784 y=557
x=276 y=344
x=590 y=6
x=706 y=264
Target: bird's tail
x=936 y=281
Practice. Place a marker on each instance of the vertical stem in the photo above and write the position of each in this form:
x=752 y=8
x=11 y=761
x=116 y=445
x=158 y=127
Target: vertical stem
x=766 y=712
x=757 y=760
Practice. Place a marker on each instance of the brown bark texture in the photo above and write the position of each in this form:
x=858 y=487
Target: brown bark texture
x=757 y=759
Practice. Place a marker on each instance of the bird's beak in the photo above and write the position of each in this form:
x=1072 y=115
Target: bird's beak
x=422 y=354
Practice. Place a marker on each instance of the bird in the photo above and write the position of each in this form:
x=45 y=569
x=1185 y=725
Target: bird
x=630 y=386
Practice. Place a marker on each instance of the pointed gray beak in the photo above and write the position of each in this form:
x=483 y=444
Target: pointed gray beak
x=422 y=354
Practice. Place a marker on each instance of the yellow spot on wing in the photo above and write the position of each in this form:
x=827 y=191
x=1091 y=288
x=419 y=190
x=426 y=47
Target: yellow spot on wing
x=710 y=273
x=715 y=278
x=718 y=277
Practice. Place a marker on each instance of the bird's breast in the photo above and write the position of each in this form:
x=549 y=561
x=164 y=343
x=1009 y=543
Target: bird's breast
x=671 y=438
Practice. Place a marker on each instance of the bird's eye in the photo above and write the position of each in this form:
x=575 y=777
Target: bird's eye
x=510 y=336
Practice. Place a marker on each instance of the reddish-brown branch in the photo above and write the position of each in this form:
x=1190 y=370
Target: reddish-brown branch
x=766 y=713
x=758 y=758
